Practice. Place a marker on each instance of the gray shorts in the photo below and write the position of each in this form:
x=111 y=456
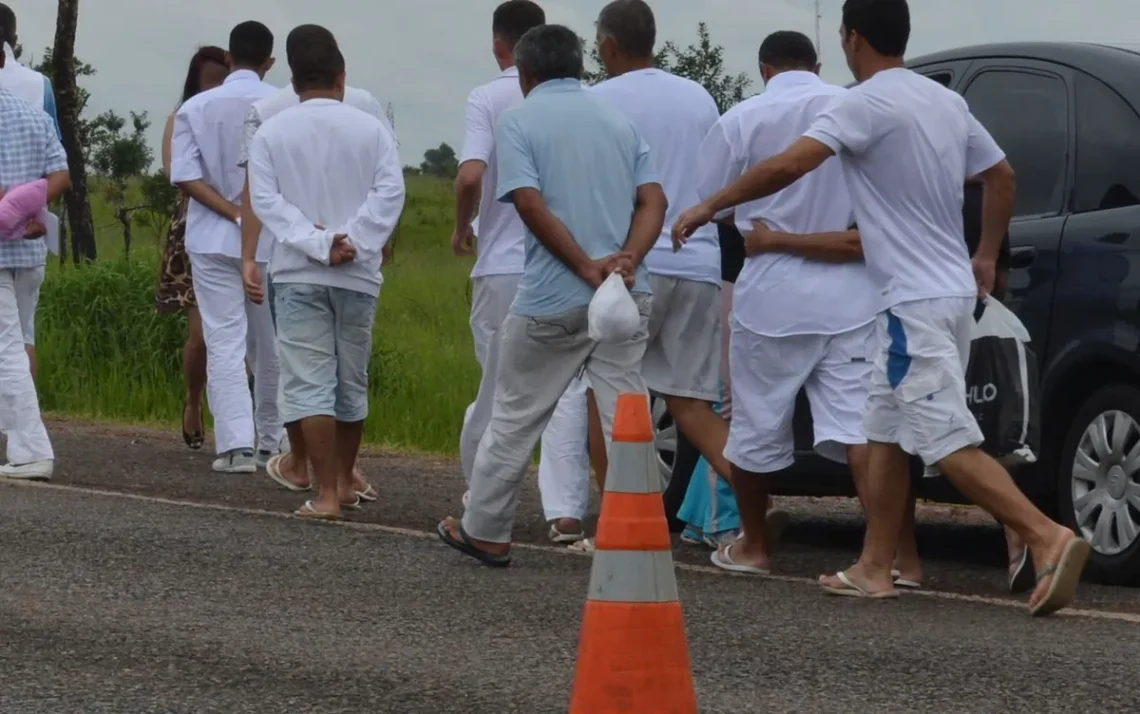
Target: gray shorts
x=324 y=342
x=682 y=358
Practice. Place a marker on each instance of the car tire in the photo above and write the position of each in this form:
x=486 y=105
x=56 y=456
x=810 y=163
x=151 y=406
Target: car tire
x=1098 y=487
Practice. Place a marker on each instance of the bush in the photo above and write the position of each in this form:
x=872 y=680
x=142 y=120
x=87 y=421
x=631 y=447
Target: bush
x=104 y=351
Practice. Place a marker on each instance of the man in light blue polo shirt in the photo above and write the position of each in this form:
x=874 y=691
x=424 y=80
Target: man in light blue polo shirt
x=580 y=177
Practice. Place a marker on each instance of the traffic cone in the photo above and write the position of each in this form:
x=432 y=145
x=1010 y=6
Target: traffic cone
x=633 y=657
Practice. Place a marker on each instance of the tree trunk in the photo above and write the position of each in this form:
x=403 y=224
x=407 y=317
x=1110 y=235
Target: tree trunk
x=124 y=217
x=63 y=232
x=67 y=105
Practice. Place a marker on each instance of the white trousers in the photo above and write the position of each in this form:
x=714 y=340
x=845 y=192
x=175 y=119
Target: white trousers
x=235 y=328
x=20 y=415
x=564 y=462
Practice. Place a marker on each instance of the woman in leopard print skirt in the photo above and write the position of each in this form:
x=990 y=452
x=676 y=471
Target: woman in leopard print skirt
x=175 y=291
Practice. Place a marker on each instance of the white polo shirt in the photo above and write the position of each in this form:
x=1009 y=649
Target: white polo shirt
x=501 y=233
x=781 y=294
x=908 y=145
x=673 y=115
x=207 y=141
x=328 y=163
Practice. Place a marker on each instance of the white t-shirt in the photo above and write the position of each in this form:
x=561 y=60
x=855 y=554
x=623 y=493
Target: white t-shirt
x=908 y=144
x=781 y=294
x=673 y=115
x=328 y=163
x=501 y=233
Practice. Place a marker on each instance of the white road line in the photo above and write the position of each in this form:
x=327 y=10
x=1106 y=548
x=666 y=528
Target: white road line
x=558 y=550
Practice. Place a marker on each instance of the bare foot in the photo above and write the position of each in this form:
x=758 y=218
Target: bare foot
x=748 y=551
x=909 y=571
x=294 y=470
x=878 y=582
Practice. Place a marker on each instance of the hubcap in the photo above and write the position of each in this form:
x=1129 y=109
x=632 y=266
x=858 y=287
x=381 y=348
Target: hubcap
x=665 y=441
x=1106 y=483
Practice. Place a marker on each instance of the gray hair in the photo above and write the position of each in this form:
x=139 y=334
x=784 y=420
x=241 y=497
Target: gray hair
x=549 y=52
x=630 y=24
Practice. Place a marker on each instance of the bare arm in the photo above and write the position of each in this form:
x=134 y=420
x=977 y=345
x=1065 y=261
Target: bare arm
x=550 y=231
x=58 y=182
x=250 y=225
x=648 y=219
x=999 y=187
x=837 y=247
x=167 y=136
x=468 y=191
x=205 y=194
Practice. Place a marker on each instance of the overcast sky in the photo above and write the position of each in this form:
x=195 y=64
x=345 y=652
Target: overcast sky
x=424 y=56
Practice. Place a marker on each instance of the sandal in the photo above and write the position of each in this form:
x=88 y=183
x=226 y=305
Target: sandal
x=309 y=511
x=369 y=494
x=1065 y=574
x=273 y=469
x=722 y=558
x=464 y=545
x=557 y=536
x=850 y=588
x=194 y=440
x=1021 y=578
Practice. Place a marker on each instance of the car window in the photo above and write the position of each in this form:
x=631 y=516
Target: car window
x=1028 y=116
x=1108 y=149
x=942 y=78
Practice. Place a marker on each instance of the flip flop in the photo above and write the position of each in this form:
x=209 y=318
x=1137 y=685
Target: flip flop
x=557 y=536
x=852 y=589
x=310 y=512
x=1066 y=575
x=463 y=545
x=466 y=498
x=369 y=494
x=354 y=506
x=901 y=582
x=725 y=562
x=273 y=468
x=1021 y=580
x=585 y=546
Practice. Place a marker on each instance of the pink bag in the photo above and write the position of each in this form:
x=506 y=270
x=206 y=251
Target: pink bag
x=20 y=205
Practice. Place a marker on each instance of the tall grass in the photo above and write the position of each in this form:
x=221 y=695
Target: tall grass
x=105 y=352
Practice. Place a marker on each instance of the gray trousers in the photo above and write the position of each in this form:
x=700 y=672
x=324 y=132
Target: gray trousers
x=538 y=358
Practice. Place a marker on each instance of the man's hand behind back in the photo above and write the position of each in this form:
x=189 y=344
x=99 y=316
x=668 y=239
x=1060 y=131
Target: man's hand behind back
x=34 y=229
x=252 y=282
x=622 y=263
x=342 y=250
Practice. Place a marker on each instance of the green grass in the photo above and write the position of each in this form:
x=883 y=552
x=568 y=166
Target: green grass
x=105 y=353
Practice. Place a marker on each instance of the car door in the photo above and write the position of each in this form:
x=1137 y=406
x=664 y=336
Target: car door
x=948 y=74
x=1028 y=107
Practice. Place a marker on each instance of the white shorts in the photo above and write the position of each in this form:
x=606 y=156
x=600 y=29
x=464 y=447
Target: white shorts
x=26 y=282
x=918 y=385
x=767 y=373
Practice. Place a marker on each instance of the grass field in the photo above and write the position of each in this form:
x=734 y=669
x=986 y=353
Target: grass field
x=104 y=352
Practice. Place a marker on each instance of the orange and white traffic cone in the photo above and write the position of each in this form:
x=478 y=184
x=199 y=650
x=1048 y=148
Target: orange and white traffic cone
x=633 y=657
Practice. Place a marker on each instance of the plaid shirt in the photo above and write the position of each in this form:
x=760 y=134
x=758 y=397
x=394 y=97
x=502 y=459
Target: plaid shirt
x=29 y=150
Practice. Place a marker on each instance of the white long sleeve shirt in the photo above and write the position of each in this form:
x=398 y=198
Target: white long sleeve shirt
x=206 y=144
x=320 y=169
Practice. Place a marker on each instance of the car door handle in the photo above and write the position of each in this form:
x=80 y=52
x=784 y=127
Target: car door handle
x=1022 y=256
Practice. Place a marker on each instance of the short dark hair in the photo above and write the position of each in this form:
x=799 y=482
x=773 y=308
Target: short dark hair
x=316 y=62
x=302 y=34
x=631 y=25
x=550 y=52
x=884 y=24
x=251 y=44
x=788 y=49
x=7 y=25
x=514 y=18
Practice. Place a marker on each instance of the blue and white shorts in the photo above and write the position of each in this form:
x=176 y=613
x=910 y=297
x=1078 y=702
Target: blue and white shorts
x=918 y=384
x=324 y=342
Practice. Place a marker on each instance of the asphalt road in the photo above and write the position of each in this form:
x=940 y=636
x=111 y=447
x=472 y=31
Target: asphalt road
x=140 y=582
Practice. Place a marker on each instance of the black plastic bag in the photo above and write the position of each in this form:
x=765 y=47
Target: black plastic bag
x=1001 y=385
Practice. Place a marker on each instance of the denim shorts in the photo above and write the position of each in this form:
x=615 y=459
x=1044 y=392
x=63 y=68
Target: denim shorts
x=324 y=342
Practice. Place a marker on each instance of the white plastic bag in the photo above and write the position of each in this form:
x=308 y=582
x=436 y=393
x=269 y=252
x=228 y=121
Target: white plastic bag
x=613 y=316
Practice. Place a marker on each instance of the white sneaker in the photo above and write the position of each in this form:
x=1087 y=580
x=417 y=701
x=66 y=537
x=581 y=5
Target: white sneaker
x=34 y=471
x=236 y=461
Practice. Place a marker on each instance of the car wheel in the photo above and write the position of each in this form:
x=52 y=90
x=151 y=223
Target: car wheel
x=665 y=441
x=1099 y=482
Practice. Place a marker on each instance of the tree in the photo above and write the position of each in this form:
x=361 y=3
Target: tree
x=69 y=104
x=160 y=201
x=118 y=157
x=702 y=62
x=440 y=162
